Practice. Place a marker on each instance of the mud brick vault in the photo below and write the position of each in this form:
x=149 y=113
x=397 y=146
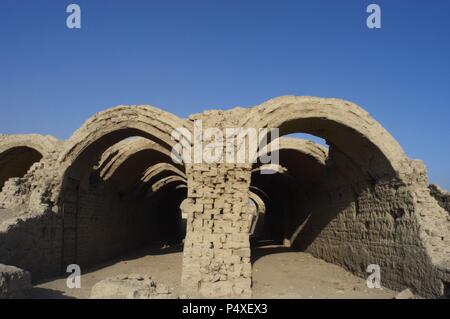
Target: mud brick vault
x=113 y=186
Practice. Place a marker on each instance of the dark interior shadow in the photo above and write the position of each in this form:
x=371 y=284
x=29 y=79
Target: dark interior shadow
x=289 y=216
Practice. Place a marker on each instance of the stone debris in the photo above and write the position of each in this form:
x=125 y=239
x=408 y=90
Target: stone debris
x=131 y=286
x=405 y=294
x=14 y=282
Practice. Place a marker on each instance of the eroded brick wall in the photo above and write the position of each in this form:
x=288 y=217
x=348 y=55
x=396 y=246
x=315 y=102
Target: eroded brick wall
x=34 y=243
x=376 y=226
x=441 y=196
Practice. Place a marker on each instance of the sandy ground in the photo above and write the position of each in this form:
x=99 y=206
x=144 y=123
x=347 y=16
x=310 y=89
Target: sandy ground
x=277 y=273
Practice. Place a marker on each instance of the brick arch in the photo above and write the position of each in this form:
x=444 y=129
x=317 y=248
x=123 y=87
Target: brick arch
x=260 y=210
x=168 y=181
x=302 y=158
x=308 y=148
x=44 y=144
x=19 y=152
x=118 y=123
x=136 y=161
x=109 y=127
x=162 y=168
x=121 y=152
x=83 y=151
x=343 y=124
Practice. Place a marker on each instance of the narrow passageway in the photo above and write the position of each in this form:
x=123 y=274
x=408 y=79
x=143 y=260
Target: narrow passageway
x=296 y=210
x=120 y=196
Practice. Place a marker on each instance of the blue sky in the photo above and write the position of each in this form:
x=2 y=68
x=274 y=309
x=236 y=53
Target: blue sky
x=186 y=56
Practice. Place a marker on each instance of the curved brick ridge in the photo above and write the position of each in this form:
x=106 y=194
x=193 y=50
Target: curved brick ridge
x=20 y=152
x=153 y=171
x=276 y=168
x=305 y=147
x=113 y=125
x=119 y=153
x=169 y=180
x=329 y=116
x=24 y=160
x=44 y=144
x=260 y=210
x=142 y=120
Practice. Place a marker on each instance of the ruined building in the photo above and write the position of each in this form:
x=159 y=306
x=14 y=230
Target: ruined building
x=113 y=186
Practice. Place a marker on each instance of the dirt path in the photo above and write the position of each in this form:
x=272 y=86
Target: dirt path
x=277 y=273
x=164 y=265
x=280 y=273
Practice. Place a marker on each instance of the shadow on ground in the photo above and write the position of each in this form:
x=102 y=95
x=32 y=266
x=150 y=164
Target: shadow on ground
x=268 y=247
x=45 y=293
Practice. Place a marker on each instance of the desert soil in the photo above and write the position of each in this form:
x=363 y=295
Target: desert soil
x=277 y=273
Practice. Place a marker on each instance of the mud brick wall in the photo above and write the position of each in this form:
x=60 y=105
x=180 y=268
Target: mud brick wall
x=216 y=259
x=116 y=225
x=113 y=225
x=33 y=243
x=378 y=225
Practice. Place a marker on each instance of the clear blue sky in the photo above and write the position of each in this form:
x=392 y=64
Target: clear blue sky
x=185 y=56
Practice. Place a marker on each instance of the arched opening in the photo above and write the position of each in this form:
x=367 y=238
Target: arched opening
x=286 y=207
x=290 y=188
x=300 y=207
x=112 y=208
x=16 y=161
x=322 y=201
x=109 y=205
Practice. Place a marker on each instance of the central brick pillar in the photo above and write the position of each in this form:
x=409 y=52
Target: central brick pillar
x=216 y=261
